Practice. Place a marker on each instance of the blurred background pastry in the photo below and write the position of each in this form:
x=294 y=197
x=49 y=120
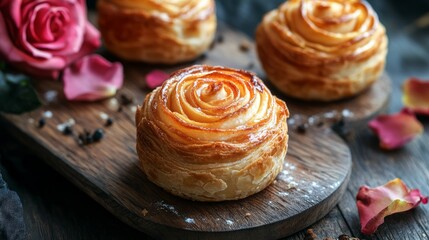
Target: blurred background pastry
x=322 y=49
x=153 y=31
x=212 y=134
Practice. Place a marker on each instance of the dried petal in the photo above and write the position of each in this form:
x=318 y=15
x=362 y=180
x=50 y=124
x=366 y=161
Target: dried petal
x=374 y=204
x=155 y=78
x=92 y=78
x=396 y=130
x=416 y=96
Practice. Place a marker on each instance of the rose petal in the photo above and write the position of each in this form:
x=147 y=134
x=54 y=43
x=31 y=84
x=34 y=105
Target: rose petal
x=155 y=78
x=374 y=204
x=396 y=130
x=416 y=96
x=92 y=78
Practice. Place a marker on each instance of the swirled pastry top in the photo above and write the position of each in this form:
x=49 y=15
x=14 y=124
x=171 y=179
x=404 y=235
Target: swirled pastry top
x=321 y=31
x=212 y=134
x=170 y=10
x=202 y=105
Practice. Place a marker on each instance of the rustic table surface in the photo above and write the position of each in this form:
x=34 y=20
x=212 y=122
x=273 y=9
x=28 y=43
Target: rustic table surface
x=56 y=209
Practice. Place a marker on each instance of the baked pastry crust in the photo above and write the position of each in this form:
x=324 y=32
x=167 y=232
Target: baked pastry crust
x=212 y=134
x=322 y=49
x=157 y=31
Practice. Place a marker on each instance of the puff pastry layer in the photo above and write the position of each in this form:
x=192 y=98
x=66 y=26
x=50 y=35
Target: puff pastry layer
x=157 y=31
x=212 y=134
x=322 y=49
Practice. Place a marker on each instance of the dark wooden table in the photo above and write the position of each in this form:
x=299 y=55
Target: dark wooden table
x=55 y=209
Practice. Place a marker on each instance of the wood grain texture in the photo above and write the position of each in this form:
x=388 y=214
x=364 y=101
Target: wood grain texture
x=376 y=167
x=364 y=106
x=315 y=175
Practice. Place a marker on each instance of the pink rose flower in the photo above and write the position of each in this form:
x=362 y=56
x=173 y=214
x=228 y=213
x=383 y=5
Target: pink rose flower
x=41 y=38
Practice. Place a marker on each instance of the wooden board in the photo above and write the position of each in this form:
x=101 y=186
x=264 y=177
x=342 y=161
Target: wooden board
x=315 y=175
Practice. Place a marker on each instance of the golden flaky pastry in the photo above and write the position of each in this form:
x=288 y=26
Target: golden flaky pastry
x=322 y=49
x=157 y=31
x=212 y=134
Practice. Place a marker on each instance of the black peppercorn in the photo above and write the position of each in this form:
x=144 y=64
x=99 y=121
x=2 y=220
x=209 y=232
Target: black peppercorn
x=109 y=122
x=125 y=100
x=67 y=130
x=42 y=123
x=97 y=135
x=302 y=128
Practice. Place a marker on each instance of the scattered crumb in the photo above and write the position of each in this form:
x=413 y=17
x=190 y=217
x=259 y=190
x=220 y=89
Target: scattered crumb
x=346 y=237
x=104 y=115
x=48 y=114
x=292 y=185
x=229 y=222
x=113 y=104
x=275 y=181
x=310 y=235
x=133 y=109
x=248 y=215
x=145 y=212
x=244 y=46
x=51 y=96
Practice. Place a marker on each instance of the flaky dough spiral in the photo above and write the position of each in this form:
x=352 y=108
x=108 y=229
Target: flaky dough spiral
x=154 y=31
x=212 y=134
x=322 y=49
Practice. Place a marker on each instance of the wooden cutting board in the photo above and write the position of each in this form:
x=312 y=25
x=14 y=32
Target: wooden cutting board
x=315 y=175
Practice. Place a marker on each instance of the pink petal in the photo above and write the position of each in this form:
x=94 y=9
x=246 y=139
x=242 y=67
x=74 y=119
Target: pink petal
x=395 y=130
x=416 y=96
x=155 y=78
x=92 y=78
x=374 y=204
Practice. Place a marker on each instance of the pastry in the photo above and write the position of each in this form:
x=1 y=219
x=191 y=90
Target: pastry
x=322 y=50
x=157 y=31
x=212 y=134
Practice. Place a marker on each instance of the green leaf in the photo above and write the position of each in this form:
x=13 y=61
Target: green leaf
x=16 y=94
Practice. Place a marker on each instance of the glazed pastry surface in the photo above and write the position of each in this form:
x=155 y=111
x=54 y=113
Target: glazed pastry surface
x=322 y=49
x=212 y=134
x=156 y=31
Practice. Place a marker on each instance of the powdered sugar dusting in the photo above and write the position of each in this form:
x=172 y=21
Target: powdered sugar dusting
x=229 y=222
x=166 y=207
x=190 y=220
